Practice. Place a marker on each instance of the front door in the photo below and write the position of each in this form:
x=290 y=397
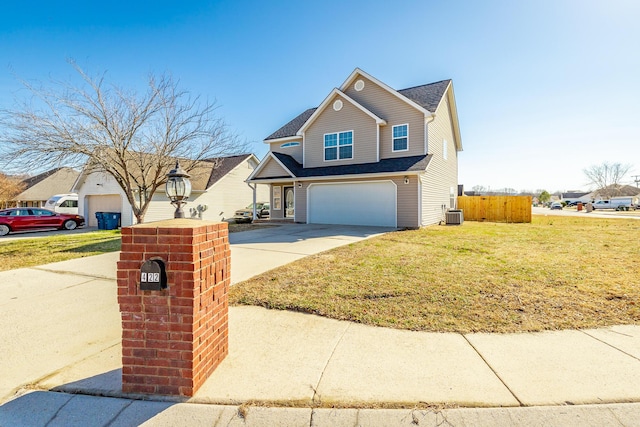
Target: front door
x=288 y=202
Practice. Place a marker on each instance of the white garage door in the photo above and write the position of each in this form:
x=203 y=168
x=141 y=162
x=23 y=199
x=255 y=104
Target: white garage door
x=362 y=203
x=102 y=203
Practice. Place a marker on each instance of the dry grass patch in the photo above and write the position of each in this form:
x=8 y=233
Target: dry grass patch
x=556 y=273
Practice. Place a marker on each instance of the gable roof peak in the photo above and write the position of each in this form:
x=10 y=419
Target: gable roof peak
x=326 y=102
x=424 y=98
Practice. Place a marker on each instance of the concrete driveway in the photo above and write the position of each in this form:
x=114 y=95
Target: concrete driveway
x=256 y=251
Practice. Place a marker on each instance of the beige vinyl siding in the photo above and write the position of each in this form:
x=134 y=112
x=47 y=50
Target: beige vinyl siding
x=396 y=112
x=222 y=199
x=271 y=169
x=295 y=152
x=349 y=118
x=160 y=207
x=408 y=215
x=407 y=199
x=301 y=203
x=441 y=174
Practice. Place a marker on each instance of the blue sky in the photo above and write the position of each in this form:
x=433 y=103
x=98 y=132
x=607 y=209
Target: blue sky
x=544 y=88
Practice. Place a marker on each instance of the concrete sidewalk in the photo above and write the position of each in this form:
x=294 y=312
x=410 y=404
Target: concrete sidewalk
x=69 y=343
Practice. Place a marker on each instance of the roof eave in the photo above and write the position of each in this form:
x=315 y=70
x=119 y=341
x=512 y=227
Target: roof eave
x=282 y=139
x=335 y=177
x=454 y=115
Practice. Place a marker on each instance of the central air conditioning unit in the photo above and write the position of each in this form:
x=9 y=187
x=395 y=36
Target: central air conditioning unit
x=455 y=217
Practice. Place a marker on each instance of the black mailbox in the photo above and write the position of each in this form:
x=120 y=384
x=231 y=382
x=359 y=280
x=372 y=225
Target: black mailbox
x=153 y=276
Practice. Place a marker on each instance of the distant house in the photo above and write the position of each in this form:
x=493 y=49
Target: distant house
x=367 y=155
x=614 y=190
x=576 y=196
x=39 y=188
x=218 y=190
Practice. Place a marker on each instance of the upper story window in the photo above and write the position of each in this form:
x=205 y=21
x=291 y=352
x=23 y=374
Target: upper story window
x=290 y=144
x=338 y=146
x=401 y=138
x=444 y=149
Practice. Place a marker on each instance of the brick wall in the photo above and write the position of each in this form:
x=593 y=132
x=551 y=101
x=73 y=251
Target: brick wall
x=173 y=339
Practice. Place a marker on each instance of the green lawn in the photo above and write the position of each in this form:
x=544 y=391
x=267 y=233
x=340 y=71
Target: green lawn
x=556 y=273
x=44 y=250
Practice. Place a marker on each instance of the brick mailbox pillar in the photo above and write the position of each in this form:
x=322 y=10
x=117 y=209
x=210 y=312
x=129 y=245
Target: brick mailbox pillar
x=173 y=279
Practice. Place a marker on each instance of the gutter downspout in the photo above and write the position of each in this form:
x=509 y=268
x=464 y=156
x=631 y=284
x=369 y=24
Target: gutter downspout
x=426 y=131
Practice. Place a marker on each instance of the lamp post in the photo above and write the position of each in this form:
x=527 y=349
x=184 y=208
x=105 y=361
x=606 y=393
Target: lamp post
x=178 y=189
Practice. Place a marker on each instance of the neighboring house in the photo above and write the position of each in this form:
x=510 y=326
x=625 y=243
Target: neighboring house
x=575 y=196
x=614 y=190
x=368 y=155
x=39 y=188
x=218 y=190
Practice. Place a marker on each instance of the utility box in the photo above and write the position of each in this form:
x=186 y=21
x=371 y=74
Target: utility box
x=455 y=217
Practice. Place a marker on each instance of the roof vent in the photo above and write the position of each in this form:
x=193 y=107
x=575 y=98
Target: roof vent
x=359 y=85
x=337 y=105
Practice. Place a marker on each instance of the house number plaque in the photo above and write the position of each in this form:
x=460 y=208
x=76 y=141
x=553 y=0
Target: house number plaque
x=153 y=276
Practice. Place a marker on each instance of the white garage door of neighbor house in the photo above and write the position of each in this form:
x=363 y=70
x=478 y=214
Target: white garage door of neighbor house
x=362 y=203
x=102 y=203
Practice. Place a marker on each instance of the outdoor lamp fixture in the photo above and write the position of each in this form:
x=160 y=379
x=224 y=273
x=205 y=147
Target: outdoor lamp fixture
x=178 y=189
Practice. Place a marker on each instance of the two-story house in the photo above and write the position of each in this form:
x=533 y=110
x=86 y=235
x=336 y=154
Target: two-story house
x=367 y=155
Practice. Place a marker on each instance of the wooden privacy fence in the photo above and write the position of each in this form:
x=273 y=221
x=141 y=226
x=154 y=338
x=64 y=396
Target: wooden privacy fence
x=496 y=208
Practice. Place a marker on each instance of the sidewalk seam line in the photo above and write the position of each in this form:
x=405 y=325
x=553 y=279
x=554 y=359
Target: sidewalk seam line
x=610 y=345
x=493 y=370
x=315 y=389
x=58 y=411
x=73 y=273
x=116 y=416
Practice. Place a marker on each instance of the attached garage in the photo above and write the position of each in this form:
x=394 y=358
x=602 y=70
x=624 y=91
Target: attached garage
x=102 y=203
x=371 y=203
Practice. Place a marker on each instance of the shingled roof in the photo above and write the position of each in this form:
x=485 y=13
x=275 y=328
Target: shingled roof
x=224 y=165
x=291 y=128
x=402 y=164
x=428 y=96
x=46 y=184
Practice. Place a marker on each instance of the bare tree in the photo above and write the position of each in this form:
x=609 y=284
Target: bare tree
x=133 y=137
x=606 y=177
x=10 y=187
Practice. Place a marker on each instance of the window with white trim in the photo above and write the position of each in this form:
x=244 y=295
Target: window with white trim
x=401 y=138
x=444 y=149
x=338 y=146
x=277 y=197
x=290 y=144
